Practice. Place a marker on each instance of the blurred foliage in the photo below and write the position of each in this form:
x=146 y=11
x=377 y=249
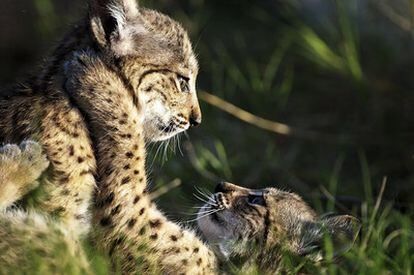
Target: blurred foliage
x=342 y=68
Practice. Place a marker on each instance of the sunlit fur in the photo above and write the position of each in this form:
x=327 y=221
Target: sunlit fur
x=156 y=52
x=147 y=51
x=149 y=55
x=237 y=228
x=24 y=235
x=20 y=169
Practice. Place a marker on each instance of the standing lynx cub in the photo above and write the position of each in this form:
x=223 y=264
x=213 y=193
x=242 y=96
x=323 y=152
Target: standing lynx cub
x=151 y=59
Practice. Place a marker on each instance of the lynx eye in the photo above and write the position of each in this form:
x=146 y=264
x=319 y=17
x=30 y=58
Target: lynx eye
x=256 y=199
x=184 y=83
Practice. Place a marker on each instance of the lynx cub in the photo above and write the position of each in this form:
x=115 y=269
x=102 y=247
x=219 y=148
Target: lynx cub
x=144 y=49
x=151 y=59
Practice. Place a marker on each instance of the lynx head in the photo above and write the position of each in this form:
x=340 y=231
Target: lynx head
x=236 y=220
x=154 y=56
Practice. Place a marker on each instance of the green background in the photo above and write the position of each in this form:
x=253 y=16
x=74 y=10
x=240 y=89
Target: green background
x=343 y=69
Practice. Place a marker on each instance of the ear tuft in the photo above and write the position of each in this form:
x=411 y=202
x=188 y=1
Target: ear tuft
x=113 y=23
x=128 y=7
x=123 y=10
x=131 y=8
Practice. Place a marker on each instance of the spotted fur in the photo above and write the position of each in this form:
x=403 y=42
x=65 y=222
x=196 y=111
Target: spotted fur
x=127 y=218
x=140 y=48
x=29 y=239
x=143 y=48
x=20 y=169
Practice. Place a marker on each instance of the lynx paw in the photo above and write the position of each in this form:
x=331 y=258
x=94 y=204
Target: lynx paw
x=22 y=164
x=33 y=159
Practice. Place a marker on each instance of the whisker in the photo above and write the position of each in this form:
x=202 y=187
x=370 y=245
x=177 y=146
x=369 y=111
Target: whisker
x=205 y=212
x=203 y=216
x=200 y=198
x=194 y=216
x=156 y=154
x=205 y=201
x=165 y=153
x=207 y=192
x=204 y=195
x=188 y=213
x=173 y=144
x=179 y=145
x=197 y=207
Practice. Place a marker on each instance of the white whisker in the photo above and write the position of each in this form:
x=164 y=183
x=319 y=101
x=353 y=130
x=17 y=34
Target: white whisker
x=203 y=193
x=179 y=145
x=212 y=203
x=156 y=154
x=165 y=152
x=203 y=216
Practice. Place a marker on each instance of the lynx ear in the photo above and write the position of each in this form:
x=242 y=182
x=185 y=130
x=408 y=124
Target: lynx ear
x=114 y=23
x=342 y=230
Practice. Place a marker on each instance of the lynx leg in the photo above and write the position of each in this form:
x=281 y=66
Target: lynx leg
x=20 y=167
x=32 y=243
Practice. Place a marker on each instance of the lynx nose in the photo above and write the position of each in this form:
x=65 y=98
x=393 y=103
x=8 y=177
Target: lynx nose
x=195 y=121
x=195 y=116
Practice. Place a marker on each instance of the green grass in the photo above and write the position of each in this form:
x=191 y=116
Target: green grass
x=385 y=246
